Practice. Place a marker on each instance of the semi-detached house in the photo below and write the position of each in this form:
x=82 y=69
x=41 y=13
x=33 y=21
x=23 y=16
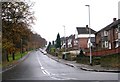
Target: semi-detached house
x=109 y=37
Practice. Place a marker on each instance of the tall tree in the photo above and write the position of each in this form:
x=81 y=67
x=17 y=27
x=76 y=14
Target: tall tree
x=16 y=18
x=48 y=47
x=58 y=41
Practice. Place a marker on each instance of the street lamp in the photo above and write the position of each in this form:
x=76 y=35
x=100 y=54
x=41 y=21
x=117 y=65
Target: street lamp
x=65 y=37
x=65 y=40
x=89 y=34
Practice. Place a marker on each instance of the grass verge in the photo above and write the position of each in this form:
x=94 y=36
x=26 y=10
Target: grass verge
x=11 y=61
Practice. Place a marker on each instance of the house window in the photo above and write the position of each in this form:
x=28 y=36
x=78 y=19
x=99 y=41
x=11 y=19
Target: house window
x=119 y=36
x=106 y=44
x=103 y=45
x=105 y=33
x=117 y=45
x=119 y=27
x=117 y=30
x=109 y=45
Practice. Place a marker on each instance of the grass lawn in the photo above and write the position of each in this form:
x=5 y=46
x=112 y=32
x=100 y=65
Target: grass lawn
x=17 y=57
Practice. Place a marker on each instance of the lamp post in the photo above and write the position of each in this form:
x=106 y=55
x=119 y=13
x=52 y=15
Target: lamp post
x=65 y=40
x=89 y=34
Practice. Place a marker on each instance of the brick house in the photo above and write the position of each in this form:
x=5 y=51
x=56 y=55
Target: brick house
x=70 y=42
x=108 y=37
x=83 y=37
x=62 y=42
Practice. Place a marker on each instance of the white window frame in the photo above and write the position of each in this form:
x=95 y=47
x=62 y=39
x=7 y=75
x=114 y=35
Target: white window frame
x=105 y=33
x=106 y=44
x=109 y=45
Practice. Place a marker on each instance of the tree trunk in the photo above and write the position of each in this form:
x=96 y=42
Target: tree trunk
x=7 y=56
x=13 y=55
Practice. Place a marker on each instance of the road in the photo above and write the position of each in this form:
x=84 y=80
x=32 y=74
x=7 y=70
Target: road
x=40 y=67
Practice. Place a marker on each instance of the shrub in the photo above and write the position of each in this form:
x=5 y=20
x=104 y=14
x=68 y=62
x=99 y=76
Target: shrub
x=111 y=61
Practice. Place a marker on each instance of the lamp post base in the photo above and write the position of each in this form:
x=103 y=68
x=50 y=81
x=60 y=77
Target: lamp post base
x=91 y=64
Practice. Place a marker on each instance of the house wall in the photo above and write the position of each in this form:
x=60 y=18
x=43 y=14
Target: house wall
x=82 y=43
x=116 y=33
x=111 y=38
x=98 y=40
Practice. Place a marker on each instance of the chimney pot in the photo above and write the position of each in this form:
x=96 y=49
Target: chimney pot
x=86 y=26
x=114 y=19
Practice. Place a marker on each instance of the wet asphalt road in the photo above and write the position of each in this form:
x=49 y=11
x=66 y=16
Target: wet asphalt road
x=40 y=67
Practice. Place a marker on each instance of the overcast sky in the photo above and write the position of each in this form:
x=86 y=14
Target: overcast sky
x=51 y=15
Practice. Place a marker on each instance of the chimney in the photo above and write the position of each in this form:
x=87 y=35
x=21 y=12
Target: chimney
x=87 y=28
x=114 y=19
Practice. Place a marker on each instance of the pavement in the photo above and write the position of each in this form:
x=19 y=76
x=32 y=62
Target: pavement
x=95 y=68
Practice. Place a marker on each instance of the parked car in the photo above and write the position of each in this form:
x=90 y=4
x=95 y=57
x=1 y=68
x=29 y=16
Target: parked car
x=45 y=53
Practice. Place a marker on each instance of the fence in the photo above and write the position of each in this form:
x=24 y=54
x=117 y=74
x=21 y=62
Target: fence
x=104 y=52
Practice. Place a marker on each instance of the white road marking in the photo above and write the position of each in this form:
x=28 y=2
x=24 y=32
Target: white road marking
x=42 y=68
x=51 y=74
x=47 y=72
x=8 y=68
x=44 y=72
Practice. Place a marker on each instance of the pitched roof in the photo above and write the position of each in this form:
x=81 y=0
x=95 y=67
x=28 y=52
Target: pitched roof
x=113 y=24
x=62 y=38
x=83 y=30
x=71 y=37
x=68 y=37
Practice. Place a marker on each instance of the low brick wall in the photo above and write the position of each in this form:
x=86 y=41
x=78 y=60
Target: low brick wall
x=104 y=52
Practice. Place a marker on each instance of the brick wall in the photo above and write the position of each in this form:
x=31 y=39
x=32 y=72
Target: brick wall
x=82 y=42
x=105 y=52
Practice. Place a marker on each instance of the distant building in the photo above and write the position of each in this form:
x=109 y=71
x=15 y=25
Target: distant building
x=69 y=42
x=83 y=37
x=63 y=39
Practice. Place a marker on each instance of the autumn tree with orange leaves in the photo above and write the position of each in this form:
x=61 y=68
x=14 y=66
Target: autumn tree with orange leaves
x=17 y=19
